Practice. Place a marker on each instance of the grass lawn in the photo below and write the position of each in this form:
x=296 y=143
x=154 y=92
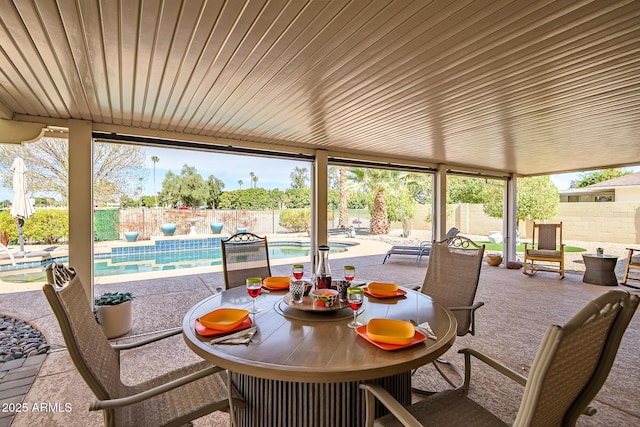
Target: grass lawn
x=520 y=248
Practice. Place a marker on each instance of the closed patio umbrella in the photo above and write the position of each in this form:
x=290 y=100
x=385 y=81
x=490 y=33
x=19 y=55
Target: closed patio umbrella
x=22 y=207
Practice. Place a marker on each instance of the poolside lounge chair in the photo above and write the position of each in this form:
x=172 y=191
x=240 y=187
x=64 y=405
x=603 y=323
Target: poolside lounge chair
x=572 y=363
x=244 y=255
x=174 y=398
x=632 y=269
x=419 y=251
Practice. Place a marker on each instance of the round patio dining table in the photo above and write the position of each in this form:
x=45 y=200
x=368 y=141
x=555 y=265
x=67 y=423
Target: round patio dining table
x=304 y=365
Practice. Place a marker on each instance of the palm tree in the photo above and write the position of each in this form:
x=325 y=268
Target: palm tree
x=240 y=183
x=155 y=160
x=253 y=179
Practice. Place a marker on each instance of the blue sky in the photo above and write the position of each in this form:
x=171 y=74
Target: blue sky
x=271 y=173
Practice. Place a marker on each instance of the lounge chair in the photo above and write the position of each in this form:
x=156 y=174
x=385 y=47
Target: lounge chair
x=419 y=251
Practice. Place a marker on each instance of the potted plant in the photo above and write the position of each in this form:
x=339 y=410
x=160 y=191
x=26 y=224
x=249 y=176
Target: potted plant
x=113 y=313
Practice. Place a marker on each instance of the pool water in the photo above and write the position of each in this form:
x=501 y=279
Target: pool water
x=128 y=262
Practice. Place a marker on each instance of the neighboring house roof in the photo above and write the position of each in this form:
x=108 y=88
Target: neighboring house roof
x=630 y=180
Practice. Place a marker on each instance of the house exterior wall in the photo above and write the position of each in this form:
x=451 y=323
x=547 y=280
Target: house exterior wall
x=630 y=194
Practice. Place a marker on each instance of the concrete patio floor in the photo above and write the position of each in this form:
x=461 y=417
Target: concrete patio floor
x=518 y=309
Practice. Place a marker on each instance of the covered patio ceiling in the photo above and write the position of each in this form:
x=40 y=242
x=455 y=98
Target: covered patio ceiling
x=525 y=87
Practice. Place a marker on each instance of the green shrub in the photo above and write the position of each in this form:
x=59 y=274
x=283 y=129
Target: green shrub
x=46 y=226
x=295 y=219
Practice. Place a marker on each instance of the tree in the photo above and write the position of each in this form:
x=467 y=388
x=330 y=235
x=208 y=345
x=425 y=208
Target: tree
x=590 y=178
x=462 y=189
x=537 y=199
x=215 y=191
x=155 y=159
x=254 y=179
x=186 y=189
x=299 y=177
x=116 y=168
x=240 y=182
x=343 y=217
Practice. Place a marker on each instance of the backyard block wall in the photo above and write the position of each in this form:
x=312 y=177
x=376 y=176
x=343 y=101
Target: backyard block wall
x=615 y=222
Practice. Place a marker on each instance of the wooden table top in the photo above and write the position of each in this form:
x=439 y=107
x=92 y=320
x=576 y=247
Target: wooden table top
x=318 y=347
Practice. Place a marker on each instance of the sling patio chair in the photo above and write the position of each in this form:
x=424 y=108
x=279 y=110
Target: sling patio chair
x=546 y=248
x=632 y=269
x=172 y=399
x=452 y=280
x=419 y=251
x=572 y=363
x=244 y=255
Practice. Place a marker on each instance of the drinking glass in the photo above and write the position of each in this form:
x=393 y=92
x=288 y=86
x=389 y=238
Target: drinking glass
x=298 y=271
x=349 y=273
x=296 y=288
x=355 y=297
x=254 y=287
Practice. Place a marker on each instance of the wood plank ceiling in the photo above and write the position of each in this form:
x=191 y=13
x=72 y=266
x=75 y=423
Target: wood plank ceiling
x=532 y=86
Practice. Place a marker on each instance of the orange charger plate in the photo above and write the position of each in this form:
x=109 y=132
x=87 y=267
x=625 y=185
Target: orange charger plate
x=208 y=332
x=418 y=337
x=399 y=293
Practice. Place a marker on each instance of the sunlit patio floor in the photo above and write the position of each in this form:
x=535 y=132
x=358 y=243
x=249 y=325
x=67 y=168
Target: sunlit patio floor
x=510 y=326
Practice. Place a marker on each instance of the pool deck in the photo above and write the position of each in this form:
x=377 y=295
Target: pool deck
x=527 y=304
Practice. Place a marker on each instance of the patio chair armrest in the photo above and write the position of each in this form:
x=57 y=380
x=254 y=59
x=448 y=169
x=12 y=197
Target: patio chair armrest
x=471 y=308
x=162 y=335
x=415 y=287
x=144 y=395
x=506 y=371
x=373 y=391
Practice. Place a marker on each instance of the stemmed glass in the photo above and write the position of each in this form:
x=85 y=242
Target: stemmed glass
x=355 y=298
x=298 y=271
x=254 y=287
x=349 y=273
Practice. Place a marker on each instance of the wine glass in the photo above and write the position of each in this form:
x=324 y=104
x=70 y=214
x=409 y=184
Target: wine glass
x=254 y=287
x=349 y=273
x=298 y=271
x=355 y=298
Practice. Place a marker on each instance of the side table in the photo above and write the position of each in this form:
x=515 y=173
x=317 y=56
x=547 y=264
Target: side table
x=600 y=269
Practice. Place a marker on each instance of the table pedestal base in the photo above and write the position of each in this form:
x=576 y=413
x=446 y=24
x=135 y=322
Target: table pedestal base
x=283 y=403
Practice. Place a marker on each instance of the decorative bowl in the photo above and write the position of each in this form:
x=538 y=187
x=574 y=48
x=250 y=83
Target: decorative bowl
x=390 y=331
x=382 y=289
x=224 y=319
x=494 y=260
x=324 y=297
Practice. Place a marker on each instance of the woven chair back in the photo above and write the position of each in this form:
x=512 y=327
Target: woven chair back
x=452 y=276
x=548 y=237
x=574 y=360
x=88 y=347
x=244 y=255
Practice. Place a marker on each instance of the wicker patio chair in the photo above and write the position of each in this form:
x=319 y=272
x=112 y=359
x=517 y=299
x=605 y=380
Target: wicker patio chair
x=572 y=363
x=244 y=255
x=172 y=399
x=632 y=269
x=452 y=280
x=546 y=248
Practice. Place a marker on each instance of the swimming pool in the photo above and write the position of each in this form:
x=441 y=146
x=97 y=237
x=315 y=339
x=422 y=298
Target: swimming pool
x=164 y=255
